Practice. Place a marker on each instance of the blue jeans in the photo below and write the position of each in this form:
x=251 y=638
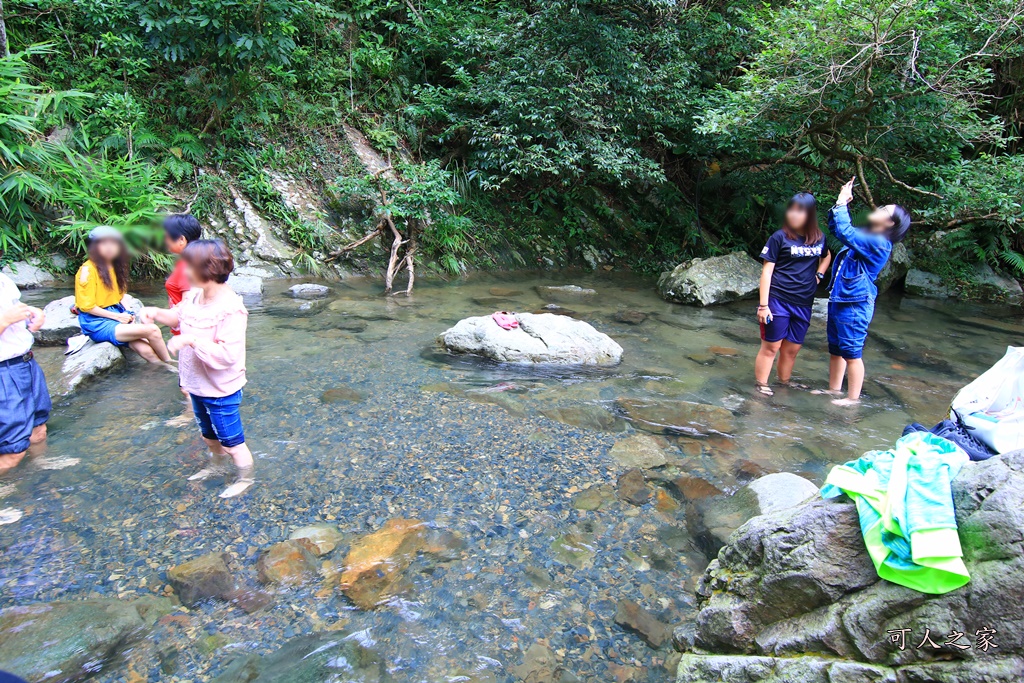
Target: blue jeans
x=219 y=418
x=848 y=327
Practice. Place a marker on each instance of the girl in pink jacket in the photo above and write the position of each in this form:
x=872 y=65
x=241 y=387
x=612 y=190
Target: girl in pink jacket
x=211 y=358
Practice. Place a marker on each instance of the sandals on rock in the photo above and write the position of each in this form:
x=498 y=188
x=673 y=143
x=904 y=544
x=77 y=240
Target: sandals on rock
x=764 y=389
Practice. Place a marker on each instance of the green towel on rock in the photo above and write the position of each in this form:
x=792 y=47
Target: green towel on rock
x=905 y=501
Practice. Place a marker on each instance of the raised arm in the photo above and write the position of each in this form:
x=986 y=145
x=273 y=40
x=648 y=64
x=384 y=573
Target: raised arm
x=861 y=242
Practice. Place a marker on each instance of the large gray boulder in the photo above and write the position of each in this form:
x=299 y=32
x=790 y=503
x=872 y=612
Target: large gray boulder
x=73 y=640
x=246 y=286
x=895 y=270
x=86 y=366
x=540 y=338
x=925 y=285
x=61 y=324
x=794 y=595
x=29 y=275
x=993 y=286
x=709 y=281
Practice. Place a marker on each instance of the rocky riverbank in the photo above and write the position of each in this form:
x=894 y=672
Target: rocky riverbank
x=793 y=596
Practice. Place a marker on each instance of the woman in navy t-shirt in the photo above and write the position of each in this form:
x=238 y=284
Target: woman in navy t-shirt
x=795 y=260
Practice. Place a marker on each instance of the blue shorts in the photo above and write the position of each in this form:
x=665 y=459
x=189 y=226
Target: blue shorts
x=848 y=327
x=101 y=329
x=24 y=404
x=219 y=418
x=789 y=322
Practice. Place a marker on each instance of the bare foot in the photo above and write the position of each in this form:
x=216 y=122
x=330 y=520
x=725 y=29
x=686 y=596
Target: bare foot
x=827 y=392
x=846 y=402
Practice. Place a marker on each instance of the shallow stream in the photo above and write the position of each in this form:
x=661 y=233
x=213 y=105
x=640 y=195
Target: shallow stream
x=497 y=455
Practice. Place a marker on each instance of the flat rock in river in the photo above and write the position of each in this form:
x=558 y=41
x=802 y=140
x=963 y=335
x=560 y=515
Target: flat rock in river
x=309 y=291
x=715 y=280
x=540 y=338
x=87 y=365
x=586 y=416
x=639 y=450
x=73 y=640
x=674 y=416
x=565 y=293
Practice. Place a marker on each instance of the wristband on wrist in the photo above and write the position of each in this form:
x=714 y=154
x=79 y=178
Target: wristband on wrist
x=762 y=305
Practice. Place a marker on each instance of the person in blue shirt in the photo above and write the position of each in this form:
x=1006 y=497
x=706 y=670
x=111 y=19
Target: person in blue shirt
x=851 y=302
x=795 y=259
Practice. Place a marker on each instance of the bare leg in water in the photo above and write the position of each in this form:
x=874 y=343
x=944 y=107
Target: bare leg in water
x=763 y=365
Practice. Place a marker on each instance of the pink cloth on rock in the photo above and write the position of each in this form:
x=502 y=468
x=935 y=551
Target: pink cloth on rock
x=505 y=320
x=215 y=367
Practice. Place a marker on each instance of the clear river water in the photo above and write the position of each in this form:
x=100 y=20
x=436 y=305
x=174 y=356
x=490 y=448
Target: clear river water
x=497 y=455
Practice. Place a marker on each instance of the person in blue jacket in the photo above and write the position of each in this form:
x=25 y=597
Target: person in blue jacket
x=851 y=302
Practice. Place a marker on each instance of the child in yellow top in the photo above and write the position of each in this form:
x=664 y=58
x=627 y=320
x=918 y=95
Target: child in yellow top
x=99 y=287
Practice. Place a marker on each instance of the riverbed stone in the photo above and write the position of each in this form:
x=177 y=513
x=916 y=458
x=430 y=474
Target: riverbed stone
x=895 y=270
x=676 y=416
x=631 y=487
x=324 y=536
x=309 y=291
x=289 y=563
x=75 y=639
x=693 y=488
x=505 y=292
x=797 y=584
x=715 y=280
x=312 y=658
x=925 y=285
x=594 y=498
x=565 y=293
x=202 y=578
x=586 y=416
x=89 y=364
x=375 y=565
x=639 y=450
x=629 y=317
x=29 y=275
x=342 y=395
x=633 y=617
x=540 y=338
x=539 y=665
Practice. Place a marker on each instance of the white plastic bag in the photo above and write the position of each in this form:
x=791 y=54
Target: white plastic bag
x=993 y=404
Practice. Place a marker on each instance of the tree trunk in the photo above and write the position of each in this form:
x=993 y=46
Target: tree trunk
x=5 y=49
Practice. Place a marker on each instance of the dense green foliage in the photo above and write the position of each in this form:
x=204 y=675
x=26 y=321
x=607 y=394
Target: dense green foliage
x=651 y=129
